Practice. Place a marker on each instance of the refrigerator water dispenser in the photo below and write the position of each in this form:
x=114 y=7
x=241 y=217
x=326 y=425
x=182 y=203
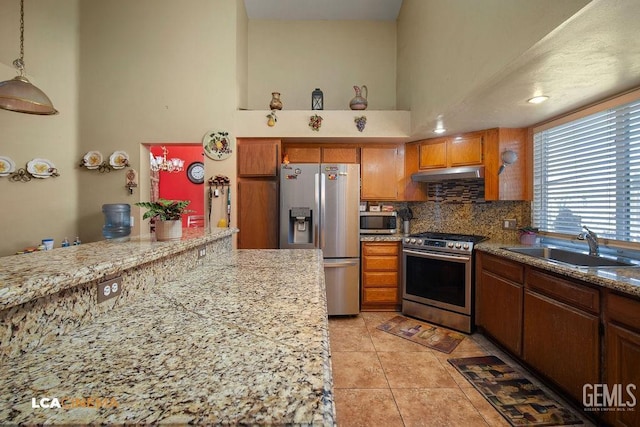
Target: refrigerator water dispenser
x=300 y=225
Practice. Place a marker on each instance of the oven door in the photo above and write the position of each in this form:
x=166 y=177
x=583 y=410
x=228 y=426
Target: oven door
x=438 y=279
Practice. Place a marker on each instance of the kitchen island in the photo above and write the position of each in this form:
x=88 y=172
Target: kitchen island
x=241 y=338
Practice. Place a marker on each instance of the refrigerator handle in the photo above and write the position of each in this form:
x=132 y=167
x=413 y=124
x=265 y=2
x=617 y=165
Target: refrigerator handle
x=316 y=226
x=322 y=210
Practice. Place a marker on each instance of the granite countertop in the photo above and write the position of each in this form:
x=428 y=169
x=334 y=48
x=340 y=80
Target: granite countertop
x=242 y=339
x=623 y=279
x=29 y=276
x=397 y=237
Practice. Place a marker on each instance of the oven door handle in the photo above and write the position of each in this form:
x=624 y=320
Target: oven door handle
x=436 y=255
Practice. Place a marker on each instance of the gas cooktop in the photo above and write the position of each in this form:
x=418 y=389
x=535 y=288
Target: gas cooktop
x=449 y=242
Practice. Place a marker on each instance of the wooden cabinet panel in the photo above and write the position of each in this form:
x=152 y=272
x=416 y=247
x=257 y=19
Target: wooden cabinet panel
x=433 y=154
x=503 y=267
x=380 y=297
x=258 y=158
x=465 y=150
x=378 y=169
x=303 y=154
x=257 y=214
x=380 y=279
x=622 y=354
x=555 y=337
x=499 y=310
x=339 y=155
x=572 y=293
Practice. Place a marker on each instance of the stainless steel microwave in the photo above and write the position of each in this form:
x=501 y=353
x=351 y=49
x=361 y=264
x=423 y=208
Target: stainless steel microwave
x=378 y=222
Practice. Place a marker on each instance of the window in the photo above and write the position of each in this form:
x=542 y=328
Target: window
x=587 y=172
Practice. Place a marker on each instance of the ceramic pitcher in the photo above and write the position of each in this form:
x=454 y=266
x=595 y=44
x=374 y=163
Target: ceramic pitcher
x=359 y=102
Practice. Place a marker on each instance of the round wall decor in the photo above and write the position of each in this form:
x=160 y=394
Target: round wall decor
x=217 y=145
x=195 y=172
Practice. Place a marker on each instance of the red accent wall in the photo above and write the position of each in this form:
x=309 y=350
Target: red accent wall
x=176 y=185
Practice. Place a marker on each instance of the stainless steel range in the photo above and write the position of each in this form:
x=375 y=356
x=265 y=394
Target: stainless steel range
x=437 y=284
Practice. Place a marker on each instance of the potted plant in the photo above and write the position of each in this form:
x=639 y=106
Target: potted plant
x=528 y=235
x=168 y=216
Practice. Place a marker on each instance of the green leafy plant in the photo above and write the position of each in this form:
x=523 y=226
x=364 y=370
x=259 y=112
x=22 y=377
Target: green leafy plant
x=165 y=210
x=528 y=230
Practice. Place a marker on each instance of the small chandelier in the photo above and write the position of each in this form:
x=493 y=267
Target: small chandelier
x=18 y=94
x=160 y=163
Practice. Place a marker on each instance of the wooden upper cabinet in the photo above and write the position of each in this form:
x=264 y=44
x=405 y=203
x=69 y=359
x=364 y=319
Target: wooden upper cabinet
x=379 y=173
x=433 y=154
x=465 y=150
x=462 y=150
x=340 y=155
x=258 y=157
x=303 y=154
x=313 y=153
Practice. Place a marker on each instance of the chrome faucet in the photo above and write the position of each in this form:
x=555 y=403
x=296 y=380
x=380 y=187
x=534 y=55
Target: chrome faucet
x=592 y=240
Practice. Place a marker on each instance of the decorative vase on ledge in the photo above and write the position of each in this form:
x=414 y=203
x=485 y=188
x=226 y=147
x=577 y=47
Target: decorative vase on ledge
x=276 y=103
x=359 y=102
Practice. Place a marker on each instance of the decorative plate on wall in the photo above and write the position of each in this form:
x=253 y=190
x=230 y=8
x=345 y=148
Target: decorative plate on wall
x=195 y=172
x=217 y=145
x=7 y=166
x=41 y=168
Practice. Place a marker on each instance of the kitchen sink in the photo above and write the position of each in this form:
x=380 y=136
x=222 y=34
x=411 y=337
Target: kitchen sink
x=574 y=258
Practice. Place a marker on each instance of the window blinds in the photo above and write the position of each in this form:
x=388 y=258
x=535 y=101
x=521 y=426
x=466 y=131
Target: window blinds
x=587 y=172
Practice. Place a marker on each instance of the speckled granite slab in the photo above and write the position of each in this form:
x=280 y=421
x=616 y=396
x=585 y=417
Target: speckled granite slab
x=623 y=279
x=241 y=339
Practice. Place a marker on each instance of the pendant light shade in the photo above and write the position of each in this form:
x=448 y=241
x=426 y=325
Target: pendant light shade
x=18 y=94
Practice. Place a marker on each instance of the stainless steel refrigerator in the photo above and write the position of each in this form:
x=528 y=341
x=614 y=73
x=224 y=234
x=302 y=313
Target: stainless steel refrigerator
x=319 y=208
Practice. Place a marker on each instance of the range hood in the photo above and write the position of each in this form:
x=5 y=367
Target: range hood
x=433 y=175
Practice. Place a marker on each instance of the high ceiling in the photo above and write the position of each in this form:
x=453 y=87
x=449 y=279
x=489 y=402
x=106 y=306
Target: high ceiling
x=300 y=10
x=593 y=55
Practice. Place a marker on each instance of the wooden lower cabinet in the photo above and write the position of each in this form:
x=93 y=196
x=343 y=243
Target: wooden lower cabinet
x=622 y=357
x=499 y=299
x=380 y=280
x=258 y=214
x=561 y=342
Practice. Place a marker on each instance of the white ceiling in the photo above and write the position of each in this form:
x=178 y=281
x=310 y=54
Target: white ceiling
x=301 y=10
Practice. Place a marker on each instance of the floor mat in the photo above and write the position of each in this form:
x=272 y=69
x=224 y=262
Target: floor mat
x=518 y=400
x=431 y=336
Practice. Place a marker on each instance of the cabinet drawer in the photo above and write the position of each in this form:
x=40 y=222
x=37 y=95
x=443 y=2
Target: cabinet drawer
x=386 y=263
x=503 y=267
x=378 y=295
x=563 y=290
x=379 y=279
x=623 y=310
x=380 y=249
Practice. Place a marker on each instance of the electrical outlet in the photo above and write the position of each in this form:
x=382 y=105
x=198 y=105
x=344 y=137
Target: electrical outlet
x=110 y=288
x=202 y=251
x=509 y=224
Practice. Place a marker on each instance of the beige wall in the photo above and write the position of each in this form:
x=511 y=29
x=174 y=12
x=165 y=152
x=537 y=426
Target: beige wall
x=153 y=71
x=295 y=57
x=446 y=49
x=41 y=208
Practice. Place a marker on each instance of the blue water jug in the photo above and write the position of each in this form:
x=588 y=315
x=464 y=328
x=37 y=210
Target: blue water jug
x=117 y=221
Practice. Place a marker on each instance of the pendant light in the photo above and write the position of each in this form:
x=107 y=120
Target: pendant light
x=18 y=94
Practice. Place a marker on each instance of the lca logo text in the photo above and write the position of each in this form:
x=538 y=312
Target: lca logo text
x=69 y=403
x=605 y=397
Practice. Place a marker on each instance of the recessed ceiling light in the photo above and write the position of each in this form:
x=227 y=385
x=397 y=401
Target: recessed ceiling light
x=537 y=99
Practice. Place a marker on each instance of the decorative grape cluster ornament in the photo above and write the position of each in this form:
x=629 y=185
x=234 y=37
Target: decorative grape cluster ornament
x=360 y=122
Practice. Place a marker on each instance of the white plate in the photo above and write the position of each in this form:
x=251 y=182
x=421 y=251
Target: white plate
x=40 y=168
x=217 y=145
x=119 y=159
x=92 y=160
x=6 y=166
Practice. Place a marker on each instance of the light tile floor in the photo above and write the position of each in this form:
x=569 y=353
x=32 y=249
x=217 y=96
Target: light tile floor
x=376 y=383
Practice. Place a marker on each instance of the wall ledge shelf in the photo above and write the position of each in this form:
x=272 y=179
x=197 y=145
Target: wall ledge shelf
x=336 y=124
